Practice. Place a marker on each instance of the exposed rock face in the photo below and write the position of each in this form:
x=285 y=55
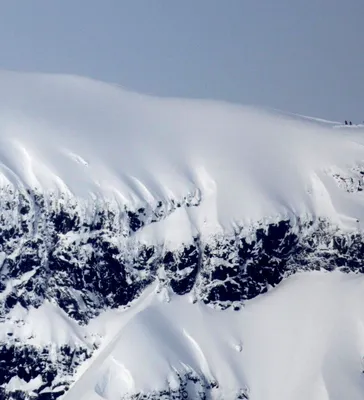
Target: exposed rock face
x=190 y=386
x=83 y=256
x=86 y=258
x=29 y=363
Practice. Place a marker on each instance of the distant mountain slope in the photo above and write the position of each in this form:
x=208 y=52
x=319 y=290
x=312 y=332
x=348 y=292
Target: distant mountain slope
x=135 y=229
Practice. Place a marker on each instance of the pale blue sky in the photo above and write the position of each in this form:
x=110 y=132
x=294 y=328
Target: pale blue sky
x=299 y=56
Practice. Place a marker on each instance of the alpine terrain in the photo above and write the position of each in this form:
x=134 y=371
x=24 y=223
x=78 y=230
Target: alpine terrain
x=157 y=248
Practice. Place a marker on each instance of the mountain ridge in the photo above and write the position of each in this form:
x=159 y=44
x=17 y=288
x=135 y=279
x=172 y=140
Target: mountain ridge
x=119 y=205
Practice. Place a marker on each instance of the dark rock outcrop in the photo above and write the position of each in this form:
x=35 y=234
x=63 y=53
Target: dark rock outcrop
x=88 y=258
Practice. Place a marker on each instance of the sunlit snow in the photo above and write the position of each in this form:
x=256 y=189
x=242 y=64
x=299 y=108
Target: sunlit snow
x=86 y=140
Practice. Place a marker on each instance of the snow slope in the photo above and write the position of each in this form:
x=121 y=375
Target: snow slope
x=303 y=340
x=92 y=140
x=114 y=203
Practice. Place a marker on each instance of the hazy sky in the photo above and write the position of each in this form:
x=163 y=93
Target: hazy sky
x=299 y=56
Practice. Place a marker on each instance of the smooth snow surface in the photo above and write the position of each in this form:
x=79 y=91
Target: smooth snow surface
x=96 y=140
x=303 y=340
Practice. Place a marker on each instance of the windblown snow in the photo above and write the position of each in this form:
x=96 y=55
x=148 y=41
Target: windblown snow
x=159 y=248
x=90 y=139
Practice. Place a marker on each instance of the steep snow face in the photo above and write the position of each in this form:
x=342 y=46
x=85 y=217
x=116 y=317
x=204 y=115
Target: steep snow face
x=92 y=140
x=134 y=229
x=303 y=340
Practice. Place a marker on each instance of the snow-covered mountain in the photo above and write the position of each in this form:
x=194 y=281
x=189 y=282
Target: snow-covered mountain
x=144 y=242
